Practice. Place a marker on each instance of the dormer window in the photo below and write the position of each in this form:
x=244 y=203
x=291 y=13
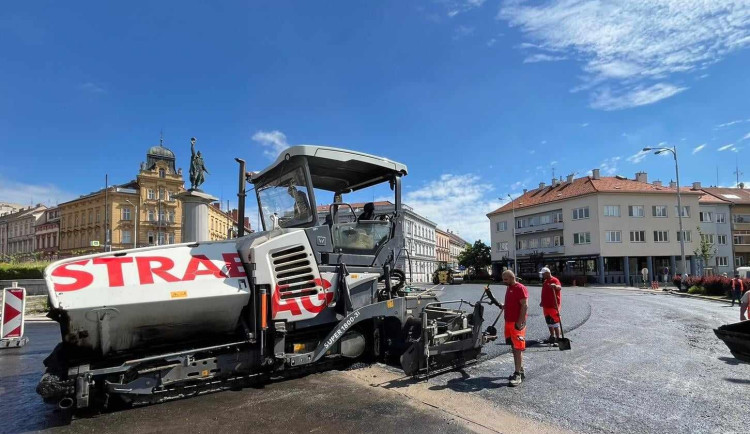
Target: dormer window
x=162 y=173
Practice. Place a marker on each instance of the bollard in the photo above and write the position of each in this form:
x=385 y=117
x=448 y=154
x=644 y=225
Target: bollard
x=11 y=317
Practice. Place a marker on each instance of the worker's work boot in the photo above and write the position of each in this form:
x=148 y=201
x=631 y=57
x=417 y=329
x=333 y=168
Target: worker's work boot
x=516 y=379
x=523 y=375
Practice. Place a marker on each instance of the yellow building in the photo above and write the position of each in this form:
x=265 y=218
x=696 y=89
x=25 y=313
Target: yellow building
x=220 y=224
x=147 y=202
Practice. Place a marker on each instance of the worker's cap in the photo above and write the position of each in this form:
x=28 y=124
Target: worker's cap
x=544 y=270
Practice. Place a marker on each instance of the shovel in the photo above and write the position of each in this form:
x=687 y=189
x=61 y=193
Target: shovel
x=563 y=343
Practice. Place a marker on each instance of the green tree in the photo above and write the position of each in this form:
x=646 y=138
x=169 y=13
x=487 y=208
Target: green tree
x=476 y=256
x=705 y=250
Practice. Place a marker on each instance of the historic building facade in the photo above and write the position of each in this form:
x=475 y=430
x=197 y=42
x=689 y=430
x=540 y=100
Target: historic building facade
x=17 y=231
x=139 y=213
x=442 y=246
x=47 y=234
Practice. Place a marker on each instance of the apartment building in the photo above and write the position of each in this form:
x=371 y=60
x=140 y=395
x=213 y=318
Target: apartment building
x=716 y=228
x=457 y=245
x=739 y=199
x=604 y=228
x=18 y=231
x=442 y=246
x=47 y=234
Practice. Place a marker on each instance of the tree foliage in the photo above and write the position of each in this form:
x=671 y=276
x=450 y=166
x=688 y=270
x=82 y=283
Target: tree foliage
x=706 y=249
x=476 y=256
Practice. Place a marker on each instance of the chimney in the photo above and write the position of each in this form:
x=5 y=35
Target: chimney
x=234 y=214
x=247 y=222
x=570 y=177
x=696 y=186
x=555 y=182
x=741 y=185
x=525 y=190
x=657 y=183
x=672 y=184
x=542 y=185
x=641 y=177
x=595 y=174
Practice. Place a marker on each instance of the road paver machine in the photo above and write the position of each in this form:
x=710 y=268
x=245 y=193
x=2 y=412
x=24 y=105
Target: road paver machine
x=163 y=322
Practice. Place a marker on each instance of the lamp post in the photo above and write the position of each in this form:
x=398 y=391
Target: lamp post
x=673 y=150
x=135 y=219
x=515 y=245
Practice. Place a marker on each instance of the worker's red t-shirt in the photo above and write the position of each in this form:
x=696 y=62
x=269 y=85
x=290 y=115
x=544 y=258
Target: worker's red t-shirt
x=513 y=296
x=548 y=293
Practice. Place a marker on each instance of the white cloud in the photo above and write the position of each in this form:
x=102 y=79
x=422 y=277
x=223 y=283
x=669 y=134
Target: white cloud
x=553 y=163
x=609 y=166
x=462 y=32
x=273 y=141
x=634 y=45
x=605 y=99
x=584 y=125
x=532 y=152
x=541 y=57
x=91 y=88
x=747 y=136
x=456 y=7
x=730 y=123
x=491 y=42
x=725 y=147
x=698 y=148
x=456 y=202
x=637 y=157
x=27 y=194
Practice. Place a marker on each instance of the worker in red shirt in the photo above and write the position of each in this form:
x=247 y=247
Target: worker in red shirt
x=515 y=308
x=737 y=289
x=551 y=301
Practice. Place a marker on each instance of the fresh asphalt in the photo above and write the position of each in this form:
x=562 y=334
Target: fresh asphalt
x=641 y=362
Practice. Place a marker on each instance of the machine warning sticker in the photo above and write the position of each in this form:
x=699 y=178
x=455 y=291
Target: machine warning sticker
x=389 y=304
x=178 y=294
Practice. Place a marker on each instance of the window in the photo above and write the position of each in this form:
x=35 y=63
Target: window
x=581 y=213
x=161 y=238
x=685 y=211
x=521 y=244
x=150 y=193
x=558 y=240
x=659 y=210
x=502 y=246
x=151 y=215
x=126 y=213
x=705 y=216
x=125 y=236
x=170 y=215
x=97 y=216
x=162 y=173
x=613 y=236
x=721 y=217
x=709 y=238
x=534 y=243
x=501 y=226
x=520 y=223
x=91 y=217
x=661 y=236
x=582 y=238
x=637 y=236
x=688 y=236
x=545 y=242
x=721 y=239
x=545 y=219
x=722 y=261
x=636 y=211
x=611 y=211
x=558 y=217
x=150 y=237
x=738 y=261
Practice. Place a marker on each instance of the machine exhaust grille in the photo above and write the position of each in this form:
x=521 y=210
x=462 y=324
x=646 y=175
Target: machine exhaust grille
x=293 y=272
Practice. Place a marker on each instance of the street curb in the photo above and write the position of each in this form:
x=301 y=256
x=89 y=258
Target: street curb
x=685 y=294
x=37 y=318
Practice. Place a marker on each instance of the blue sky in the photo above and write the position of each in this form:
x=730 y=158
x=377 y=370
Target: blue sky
x=479 y=98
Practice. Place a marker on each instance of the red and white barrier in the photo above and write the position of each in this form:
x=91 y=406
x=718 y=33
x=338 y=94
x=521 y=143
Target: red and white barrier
x=11 y=317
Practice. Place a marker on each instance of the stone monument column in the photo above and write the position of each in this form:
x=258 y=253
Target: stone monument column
x=195 y=215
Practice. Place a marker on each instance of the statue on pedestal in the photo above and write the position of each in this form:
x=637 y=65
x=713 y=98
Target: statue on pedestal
x=196 y=167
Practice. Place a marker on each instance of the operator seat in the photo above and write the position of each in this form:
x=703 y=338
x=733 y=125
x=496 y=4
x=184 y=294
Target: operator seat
x=368 y=213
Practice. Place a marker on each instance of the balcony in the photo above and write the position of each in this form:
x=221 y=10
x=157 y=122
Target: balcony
x=160 y=223
x=554 y=250
x=540 y=228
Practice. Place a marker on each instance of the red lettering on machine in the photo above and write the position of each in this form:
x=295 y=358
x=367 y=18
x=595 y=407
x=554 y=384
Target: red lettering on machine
x=147 y=267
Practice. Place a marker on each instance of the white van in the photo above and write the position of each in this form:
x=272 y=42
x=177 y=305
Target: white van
x=744 y=272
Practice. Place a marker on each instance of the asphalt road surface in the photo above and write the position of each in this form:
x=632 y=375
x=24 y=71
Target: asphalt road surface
x=641 y=362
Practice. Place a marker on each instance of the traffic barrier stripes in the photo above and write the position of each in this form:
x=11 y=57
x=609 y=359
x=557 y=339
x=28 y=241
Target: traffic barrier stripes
x=11 y=317
x=655 y=285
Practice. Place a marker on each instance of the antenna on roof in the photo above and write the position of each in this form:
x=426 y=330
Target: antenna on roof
x=161 y=137
x=553 y=172
x=737 y=171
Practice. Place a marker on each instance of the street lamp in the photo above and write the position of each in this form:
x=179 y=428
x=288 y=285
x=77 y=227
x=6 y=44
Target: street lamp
x=135 y=230
x=673 y=150
x=515 y=245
